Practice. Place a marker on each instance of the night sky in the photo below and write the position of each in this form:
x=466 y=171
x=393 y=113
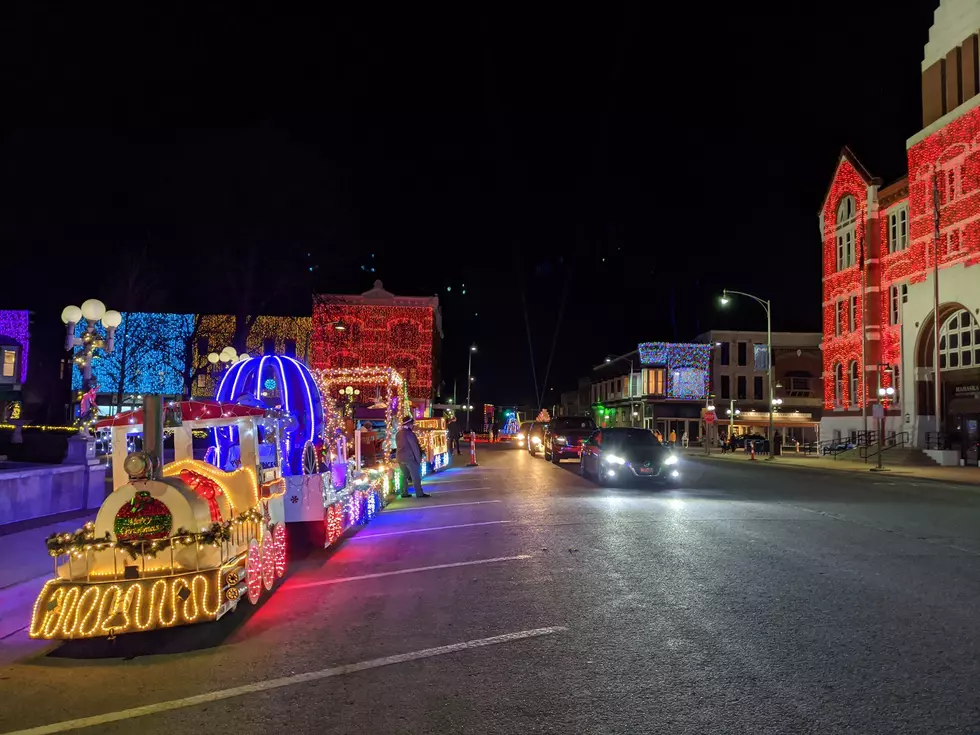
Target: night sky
x=602 y=171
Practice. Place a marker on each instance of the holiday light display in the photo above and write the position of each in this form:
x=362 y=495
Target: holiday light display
x=294 y=391
x=842 y=345
x=390 y=383
x=16 y=325
x=285 y=335
x=943 y=163
x=148 y=356
x=375 y=334
x=687 y=365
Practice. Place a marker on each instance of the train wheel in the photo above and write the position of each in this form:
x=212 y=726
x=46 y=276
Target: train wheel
x=268 y=560
x=281 y=547
x=253 y=572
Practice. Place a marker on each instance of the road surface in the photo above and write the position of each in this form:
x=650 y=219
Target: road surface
x=522 y=598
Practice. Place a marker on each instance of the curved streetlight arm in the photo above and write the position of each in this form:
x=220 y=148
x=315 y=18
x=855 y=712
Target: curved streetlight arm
x=762 y=302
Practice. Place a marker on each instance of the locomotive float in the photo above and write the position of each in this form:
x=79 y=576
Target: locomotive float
x=186 y=541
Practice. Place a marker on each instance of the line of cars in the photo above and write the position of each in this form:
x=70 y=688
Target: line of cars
x=607 y=455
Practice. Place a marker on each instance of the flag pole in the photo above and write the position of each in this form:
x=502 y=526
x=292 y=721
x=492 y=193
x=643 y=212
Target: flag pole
x=864 y=343
x=935 y=303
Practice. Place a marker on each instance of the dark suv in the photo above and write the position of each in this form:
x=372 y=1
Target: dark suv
x=565 y=435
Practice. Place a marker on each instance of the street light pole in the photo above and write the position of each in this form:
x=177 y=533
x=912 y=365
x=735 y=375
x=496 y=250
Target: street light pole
x=630 y=391
x=767 y=305
x=469 y=386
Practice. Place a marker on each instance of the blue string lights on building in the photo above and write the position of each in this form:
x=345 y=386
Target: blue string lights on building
x=149 y=355
x=687 y=364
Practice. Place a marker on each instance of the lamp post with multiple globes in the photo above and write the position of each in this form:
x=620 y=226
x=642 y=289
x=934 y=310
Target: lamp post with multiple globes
x=92 y=311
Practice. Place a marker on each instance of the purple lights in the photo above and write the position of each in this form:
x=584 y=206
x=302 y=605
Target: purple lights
x=16 y=325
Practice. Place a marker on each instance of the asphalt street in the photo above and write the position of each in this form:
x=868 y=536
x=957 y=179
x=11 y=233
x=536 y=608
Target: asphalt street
x=522 y=598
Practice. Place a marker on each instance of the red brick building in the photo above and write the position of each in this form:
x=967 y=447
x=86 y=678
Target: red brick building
x=381 y=329
x=882 y=246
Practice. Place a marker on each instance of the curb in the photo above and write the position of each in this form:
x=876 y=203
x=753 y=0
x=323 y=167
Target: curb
x=872 y=471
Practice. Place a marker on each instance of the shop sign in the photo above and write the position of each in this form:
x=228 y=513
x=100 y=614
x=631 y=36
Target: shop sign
x=966 y=391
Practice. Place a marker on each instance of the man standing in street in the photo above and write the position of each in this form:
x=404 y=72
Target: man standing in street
x=409 y=456
x=454 y=433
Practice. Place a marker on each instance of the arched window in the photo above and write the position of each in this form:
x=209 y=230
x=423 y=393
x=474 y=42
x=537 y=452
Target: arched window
x=839 y=385
x=845 y=232
x=852 y=377
x=959 y=342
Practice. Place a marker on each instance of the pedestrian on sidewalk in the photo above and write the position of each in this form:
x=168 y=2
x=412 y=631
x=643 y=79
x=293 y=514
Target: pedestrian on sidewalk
x=685 y=440
x=731 y=443
x=493 y=432
x=409 y=456
x=454 y=433
x=673 y=438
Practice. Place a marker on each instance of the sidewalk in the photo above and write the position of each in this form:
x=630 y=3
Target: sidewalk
x=956 y=475
x=24 y=567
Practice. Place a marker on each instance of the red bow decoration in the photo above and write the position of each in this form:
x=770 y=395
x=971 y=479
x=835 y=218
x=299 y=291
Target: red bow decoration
x=206 y=488
x=88 y=399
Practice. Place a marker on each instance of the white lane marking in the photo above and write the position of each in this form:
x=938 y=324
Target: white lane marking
x=285 y=681
x=451 y=481
x=340 y=580
x=443 y=505
x=363 y=536
x=461 y=489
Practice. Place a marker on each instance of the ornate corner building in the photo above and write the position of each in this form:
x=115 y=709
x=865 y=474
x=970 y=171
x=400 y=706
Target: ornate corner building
x=381 y=329
x=887 y=248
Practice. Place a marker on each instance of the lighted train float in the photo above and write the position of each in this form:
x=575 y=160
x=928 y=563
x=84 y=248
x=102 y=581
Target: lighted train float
x=187 y=542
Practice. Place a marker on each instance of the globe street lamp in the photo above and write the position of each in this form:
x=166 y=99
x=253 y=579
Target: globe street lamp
x=767 y=305
x=92 y=311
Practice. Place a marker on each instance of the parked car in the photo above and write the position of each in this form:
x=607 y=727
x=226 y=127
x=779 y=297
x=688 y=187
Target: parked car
x=564 y=436
x=628 y=455
x=836 y=447
x=760 y=442
x=534 y=435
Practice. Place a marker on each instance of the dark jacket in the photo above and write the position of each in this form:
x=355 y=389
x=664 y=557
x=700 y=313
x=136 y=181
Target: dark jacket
x=407 y=447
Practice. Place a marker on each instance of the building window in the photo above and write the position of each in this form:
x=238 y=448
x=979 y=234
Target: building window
x=852 y=320
x=725 y=352
x=897 y=295
x=898 y=229
x=726 y=386
x=289 y=347
x=9 y=363
x=852 y=377
x=741 y=387
x=844 y=231
x=619 y=386
x=202 y=346
x=757 y=387
x=839 y=385
x=959 y=342
x=655 y=381
x=838 y=317
x=202 y=380
x=268 y=345
x=742 y=353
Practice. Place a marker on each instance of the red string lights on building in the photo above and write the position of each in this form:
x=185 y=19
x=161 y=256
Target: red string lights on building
x=944 y=164
x=396 y=335
x=841 y=344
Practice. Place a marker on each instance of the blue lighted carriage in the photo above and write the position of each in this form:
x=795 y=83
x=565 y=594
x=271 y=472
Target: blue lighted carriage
x=321 y=500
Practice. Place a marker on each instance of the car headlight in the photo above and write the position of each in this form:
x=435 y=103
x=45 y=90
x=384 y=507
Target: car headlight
x=671 y=459
x=520 y=437
x=613 y=459
x=561 y=440
x=535 y=440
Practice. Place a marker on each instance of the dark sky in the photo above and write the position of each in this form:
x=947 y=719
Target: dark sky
x=601 y=171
